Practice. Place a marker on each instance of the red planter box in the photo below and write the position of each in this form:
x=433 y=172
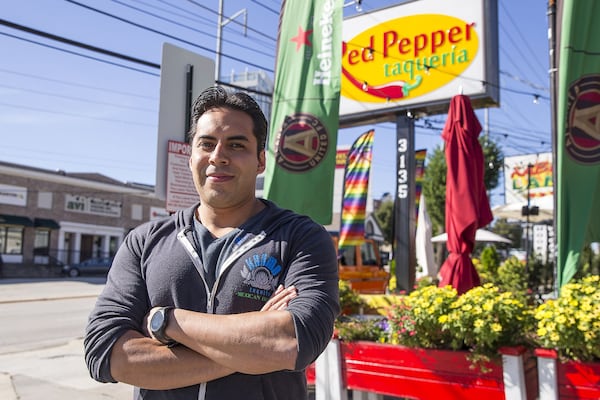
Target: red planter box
x=424 y=374
x=574 y=379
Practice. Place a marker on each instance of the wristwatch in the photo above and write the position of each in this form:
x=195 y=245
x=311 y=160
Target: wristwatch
x=158 y=325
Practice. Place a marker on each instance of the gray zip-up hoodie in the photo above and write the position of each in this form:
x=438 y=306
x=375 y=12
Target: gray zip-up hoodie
x=157 y=265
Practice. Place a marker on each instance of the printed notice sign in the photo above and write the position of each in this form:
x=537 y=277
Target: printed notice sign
x=181 y=192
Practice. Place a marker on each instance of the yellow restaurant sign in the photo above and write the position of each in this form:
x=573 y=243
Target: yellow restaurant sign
x=417 y=55
x=403 y=59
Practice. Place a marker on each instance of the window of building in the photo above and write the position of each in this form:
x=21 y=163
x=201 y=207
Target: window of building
x=136 y=211
x=11 y=240
x=113 y=245
x=45 y=200
x=367 y=253
x=41 y=242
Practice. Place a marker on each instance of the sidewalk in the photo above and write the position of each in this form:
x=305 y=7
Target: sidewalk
x=57 y=372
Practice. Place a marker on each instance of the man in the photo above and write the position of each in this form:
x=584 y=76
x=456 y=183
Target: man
x=230 y=299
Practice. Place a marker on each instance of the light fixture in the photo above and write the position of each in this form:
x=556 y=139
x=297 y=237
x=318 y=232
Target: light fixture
x=358 y=5
x=536 y=99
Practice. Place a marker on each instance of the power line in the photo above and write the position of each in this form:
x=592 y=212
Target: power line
x=266 y=7
x=258 y=32
x=189 y=27
x=76 y=84
x=168 y=35
x=77 y=98
x=75 y=115
x=77 y=44
x=523 y=39
x=77 y=54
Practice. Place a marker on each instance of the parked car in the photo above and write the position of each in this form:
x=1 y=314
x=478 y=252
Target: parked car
x=91 y=266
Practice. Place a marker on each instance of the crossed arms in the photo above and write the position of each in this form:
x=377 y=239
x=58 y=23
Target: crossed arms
x=212 y=346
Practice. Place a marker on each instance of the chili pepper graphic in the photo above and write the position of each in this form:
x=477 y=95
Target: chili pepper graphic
x=390 y=91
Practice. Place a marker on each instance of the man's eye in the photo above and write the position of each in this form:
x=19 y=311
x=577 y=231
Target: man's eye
x=206 y=145
x=238 y=145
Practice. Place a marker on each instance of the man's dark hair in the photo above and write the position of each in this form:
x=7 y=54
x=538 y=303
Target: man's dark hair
x=217 y=96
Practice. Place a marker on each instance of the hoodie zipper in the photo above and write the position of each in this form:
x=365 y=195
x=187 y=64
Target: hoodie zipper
x=191 y=250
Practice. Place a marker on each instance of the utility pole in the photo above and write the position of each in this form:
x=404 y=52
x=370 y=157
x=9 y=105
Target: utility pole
x=220 y=24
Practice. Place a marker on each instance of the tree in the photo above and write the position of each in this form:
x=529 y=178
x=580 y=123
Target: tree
x=385 y=217
x=434 y=182
x=434 y=188
x=510 y=230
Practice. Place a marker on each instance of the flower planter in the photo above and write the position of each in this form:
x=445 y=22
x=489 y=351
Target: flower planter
x=400 y=371
x=567 y=379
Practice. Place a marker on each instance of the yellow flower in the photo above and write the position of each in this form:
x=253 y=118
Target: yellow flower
x=488 y=305
x=542 y=332
x=478 y=323
x=496 y=327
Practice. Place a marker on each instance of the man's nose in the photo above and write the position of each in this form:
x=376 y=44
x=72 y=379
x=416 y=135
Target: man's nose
x=219 y=154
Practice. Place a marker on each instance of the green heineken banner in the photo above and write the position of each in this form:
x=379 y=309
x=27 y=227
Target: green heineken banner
x=304 y=123
x=578 y=133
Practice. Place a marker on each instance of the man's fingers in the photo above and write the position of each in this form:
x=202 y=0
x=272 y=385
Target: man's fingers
x=280 y=299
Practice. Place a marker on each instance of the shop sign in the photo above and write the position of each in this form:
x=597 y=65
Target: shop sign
x=92 y=205
x=13 y=195
x=418 y=55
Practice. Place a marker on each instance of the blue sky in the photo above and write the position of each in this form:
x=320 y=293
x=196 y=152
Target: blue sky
x=63 y=107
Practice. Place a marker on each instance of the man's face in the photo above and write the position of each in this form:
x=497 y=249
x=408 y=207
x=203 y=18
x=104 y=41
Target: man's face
x=224 y=161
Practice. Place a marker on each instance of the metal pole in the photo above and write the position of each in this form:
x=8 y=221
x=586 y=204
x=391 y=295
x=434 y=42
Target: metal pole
x=553 y=102
x=218 y=51
x=189 y=86
x=220 y=25
x=527 y=223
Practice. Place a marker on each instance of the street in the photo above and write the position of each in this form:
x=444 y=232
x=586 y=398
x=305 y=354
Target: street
x=41 y=341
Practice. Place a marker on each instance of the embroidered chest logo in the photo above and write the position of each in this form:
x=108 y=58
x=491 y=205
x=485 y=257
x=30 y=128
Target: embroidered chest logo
x=260 y=273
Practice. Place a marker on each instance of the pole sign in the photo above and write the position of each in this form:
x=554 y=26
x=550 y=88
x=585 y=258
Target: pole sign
x=183 y=74
x=417 y=56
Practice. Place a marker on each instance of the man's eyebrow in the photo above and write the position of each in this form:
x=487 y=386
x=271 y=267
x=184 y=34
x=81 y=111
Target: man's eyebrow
x=237 y=137
x=228 y=138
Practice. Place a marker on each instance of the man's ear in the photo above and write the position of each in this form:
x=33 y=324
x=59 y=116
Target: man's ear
x=261 y=162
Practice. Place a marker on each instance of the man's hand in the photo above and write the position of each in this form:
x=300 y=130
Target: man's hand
x=280 y=299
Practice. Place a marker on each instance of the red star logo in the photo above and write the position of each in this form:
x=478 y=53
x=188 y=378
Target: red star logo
x=302 y=38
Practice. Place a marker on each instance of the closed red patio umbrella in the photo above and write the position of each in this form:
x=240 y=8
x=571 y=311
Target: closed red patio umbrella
x=467 y=205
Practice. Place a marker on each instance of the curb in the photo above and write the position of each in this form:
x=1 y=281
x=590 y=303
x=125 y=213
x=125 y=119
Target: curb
x=7 y=389
x=47 y=299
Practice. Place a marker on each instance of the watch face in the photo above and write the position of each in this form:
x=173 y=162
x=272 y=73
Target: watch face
x=156 y=321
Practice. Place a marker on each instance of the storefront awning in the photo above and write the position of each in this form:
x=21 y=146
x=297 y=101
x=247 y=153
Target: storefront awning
x=15 y=220
x=45 y=223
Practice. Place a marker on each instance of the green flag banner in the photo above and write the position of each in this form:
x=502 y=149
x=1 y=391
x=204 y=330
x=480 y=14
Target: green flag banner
x=304 y=123
x=578 y=133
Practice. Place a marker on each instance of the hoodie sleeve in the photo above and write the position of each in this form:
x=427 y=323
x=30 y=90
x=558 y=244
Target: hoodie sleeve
x=120 y=307
x=314 y=272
